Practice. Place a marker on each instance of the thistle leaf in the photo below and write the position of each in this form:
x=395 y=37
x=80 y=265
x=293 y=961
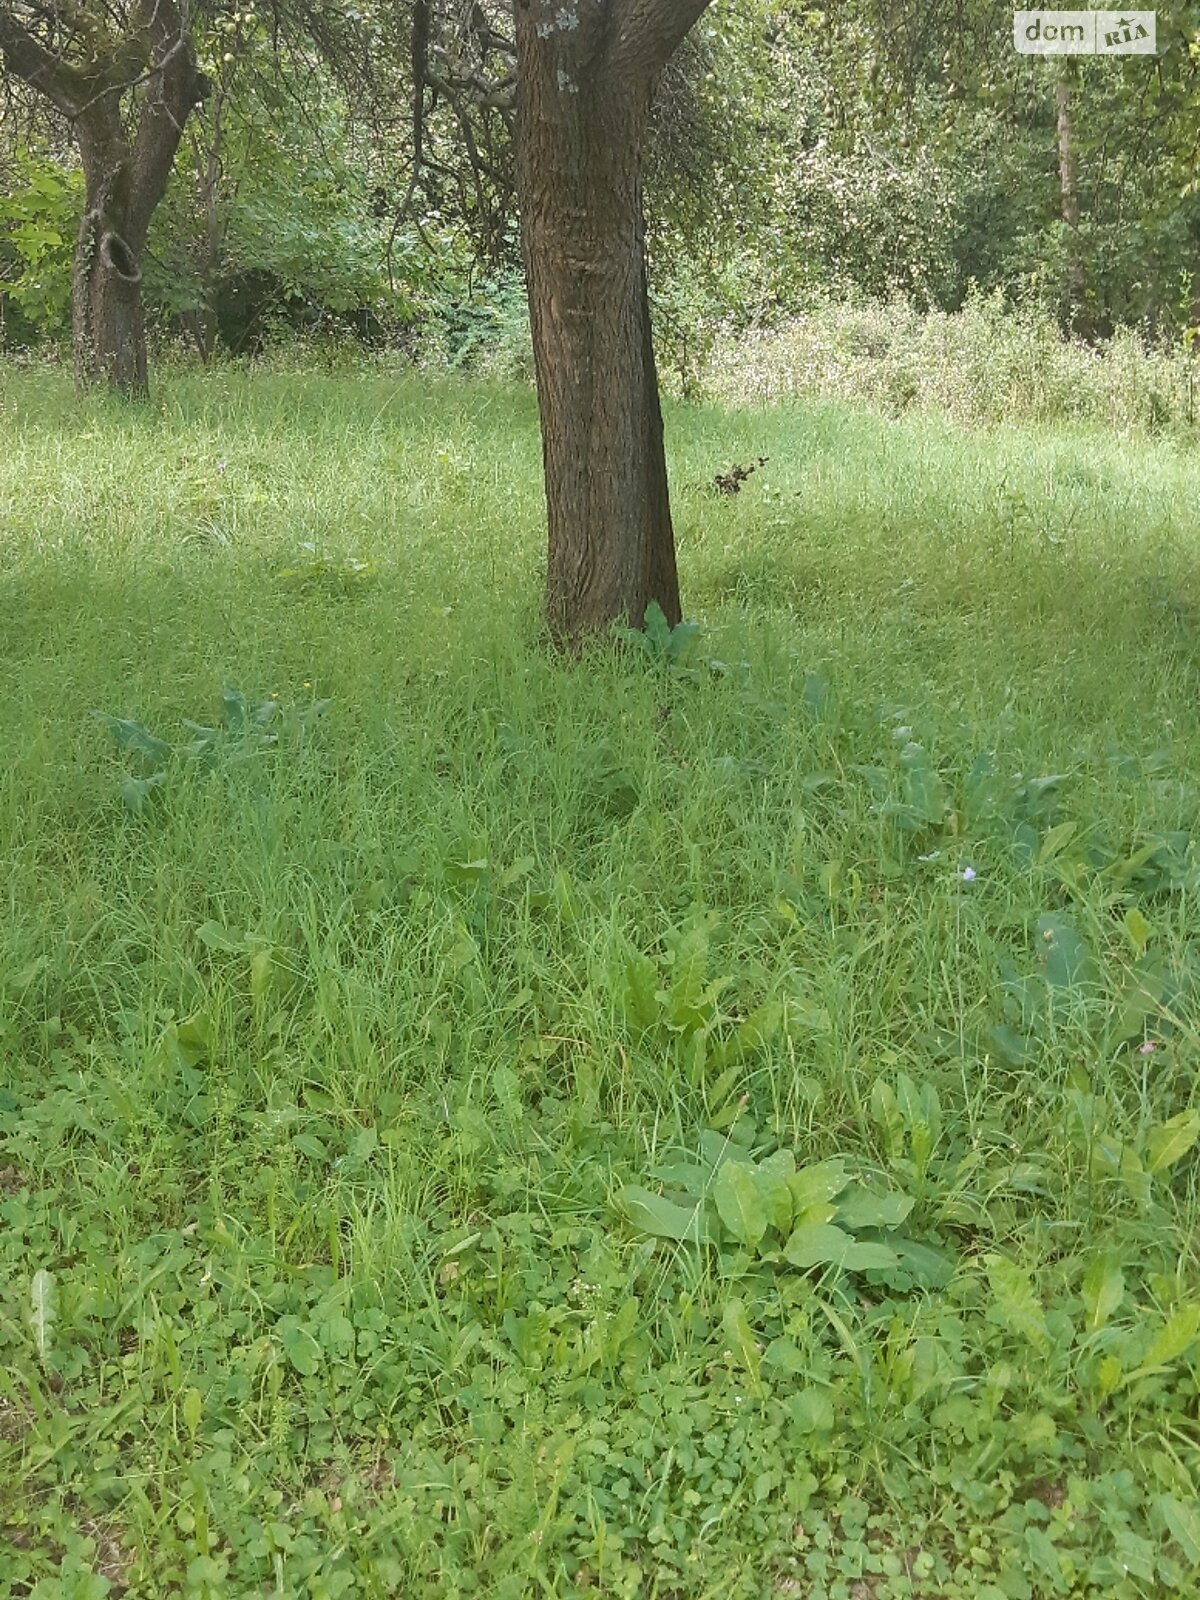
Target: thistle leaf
x=43 y=1311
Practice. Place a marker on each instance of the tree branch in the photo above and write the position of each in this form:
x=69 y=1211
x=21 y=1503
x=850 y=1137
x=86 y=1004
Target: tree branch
x=121 y=85
x=648 y=32
x=21 y=54
x=475 y=89
x=419 y=57
x=176 y=85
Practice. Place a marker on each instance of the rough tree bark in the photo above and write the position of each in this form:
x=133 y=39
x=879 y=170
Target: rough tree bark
x=125 y=176
x=586 y=75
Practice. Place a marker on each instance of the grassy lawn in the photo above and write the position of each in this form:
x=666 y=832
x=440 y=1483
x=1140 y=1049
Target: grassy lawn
x=716 y=1120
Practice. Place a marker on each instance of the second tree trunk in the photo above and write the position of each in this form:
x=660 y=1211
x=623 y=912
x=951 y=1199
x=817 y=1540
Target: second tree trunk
x=611 y=547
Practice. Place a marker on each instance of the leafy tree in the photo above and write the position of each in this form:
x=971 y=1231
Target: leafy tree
x=39 y=211
x=1078 y=178
x=124 y=76
x=272 y=215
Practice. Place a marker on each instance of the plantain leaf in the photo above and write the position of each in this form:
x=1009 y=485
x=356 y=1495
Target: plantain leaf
x=774 y=1176
x=193 y=1410
x=1103 y=1290
x=1056 y=841
x=1067 y=960
x=814 y=1185
x=194 y=1037
x=233 y=708
x=735 y=1325
x=860 y=1207
x=662 y=1219
x=739 y=1203
x=924 y=1264
x=864 y=1255
x=812 y=1411
x=818 y=1244
x=1139 y=1000
x=689 y=1176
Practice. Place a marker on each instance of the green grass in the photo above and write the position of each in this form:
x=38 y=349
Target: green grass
x=352 y=1071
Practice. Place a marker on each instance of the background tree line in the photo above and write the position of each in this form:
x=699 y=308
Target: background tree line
x=826 y=152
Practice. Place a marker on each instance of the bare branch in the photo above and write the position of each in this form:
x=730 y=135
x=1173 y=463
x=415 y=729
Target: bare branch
x=22 y=55
x=474 y=88
x=122 y=85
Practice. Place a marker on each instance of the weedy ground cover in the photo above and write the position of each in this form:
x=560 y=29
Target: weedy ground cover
x=987 y=363
x=714 y=1119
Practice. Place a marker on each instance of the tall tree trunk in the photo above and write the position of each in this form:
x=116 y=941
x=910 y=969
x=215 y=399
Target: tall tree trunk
x=108 y=323
x=1068 y=189
x=585 y=79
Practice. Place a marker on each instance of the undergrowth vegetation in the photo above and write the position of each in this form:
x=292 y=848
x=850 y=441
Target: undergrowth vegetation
x=988 y=362
x=714 y=1119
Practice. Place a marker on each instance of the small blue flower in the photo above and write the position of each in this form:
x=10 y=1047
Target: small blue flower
x=968 y=874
